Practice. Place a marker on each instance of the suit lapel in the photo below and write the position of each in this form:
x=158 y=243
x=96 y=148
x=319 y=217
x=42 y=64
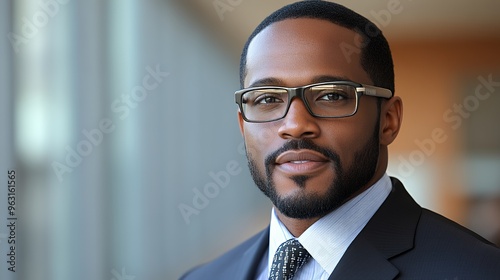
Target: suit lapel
x=388 y=233
x=363 y=261
x=253 y=255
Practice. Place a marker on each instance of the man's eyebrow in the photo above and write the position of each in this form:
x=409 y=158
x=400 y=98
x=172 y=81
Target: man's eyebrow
x=328 y=78
x=266 y=82
x=278 y=82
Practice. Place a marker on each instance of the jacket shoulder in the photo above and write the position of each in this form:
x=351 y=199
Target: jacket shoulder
x=445 y=249
x=425 y=245
x=451 y=236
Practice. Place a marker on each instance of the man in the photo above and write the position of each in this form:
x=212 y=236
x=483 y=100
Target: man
x=317 y=113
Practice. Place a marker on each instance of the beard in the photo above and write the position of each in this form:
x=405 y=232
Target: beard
x=346 y=183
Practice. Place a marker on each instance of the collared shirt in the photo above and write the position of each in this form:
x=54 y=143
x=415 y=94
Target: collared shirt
x=329 y=237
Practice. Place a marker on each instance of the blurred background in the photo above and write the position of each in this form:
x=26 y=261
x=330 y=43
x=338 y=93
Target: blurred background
x=119 y=121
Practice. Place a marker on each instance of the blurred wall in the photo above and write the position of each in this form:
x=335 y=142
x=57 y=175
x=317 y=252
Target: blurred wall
x=444 y=112
x=119 y=119
x=126 y=146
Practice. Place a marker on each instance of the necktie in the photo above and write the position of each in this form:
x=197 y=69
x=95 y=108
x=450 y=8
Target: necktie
x=289 y=257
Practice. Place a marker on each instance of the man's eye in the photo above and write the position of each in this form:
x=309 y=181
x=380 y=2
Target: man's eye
x=268 y=99
x=332 y=96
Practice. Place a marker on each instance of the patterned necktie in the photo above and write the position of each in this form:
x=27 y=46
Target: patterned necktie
x=289 y=257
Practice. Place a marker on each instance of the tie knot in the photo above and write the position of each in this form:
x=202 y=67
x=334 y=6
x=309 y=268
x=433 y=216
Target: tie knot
x=289 y=257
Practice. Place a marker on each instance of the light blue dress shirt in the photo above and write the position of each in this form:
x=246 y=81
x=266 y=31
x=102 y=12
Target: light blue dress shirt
x=328 y=238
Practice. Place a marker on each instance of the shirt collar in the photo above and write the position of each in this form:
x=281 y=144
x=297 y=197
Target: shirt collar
x=328 y=238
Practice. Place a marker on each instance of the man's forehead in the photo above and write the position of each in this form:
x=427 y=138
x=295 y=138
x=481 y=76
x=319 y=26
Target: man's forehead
x=303 y=47
x=298 y=29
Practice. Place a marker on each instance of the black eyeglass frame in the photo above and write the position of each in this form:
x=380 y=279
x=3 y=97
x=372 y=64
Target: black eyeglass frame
x=361 y=89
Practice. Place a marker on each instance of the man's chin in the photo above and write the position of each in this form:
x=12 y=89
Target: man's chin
x=304 y=185
x=298 y=205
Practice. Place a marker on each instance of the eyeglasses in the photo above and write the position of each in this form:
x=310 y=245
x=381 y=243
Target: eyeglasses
x=323 y=100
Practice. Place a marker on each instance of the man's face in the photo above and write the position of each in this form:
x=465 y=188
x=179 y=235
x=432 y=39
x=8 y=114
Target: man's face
x=309 y=166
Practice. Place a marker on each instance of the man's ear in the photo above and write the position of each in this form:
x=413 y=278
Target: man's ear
x=391 y=116
x=240 y=122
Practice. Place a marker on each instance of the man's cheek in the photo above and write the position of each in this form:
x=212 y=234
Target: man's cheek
x=252 y=152
x=262 y=137
x=258 y=145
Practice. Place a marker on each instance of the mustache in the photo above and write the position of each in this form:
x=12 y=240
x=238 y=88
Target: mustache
x=300 y=144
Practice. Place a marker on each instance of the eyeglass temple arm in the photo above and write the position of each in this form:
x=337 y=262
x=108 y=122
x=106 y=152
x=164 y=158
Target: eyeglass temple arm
x=375 y=91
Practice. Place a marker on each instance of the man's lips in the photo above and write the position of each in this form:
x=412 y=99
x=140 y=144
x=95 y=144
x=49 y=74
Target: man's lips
x=301 y=161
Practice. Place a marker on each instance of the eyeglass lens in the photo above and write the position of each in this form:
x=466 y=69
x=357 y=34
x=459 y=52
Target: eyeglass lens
x=331 y=100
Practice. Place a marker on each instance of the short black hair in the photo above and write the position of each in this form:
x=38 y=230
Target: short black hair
x=376 y=57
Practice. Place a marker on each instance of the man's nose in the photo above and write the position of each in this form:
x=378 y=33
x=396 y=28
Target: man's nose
x=298 y=122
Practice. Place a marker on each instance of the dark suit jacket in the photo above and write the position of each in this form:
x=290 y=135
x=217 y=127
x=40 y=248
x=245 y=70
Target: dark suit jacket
x=401 y=241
